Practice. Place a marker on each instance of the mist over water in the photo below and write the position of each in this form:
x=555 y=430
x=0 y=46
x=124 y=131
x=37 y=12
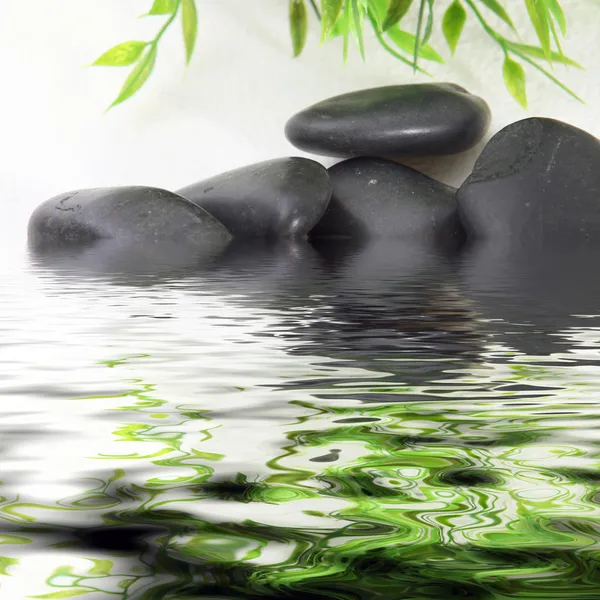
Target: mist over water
x=300 y=421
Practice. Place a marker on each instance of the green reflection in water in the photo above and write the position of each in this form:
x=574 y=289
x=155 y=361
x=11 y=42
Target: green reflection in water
x=481 y=497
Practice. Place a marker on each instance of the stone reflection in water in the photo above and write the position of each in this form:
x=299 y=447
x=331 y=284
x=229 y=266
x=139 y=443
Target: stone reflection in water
x=392 y=308
x=532 y=301
x=125 y=261
x=430 y=449
x=241 y=266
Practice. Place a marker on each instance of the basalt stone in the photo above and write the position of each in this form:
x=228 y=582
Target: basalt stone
x=278 y=198
x=430 y=119
x=140 y=217
x=375 y=198
x=536 y=184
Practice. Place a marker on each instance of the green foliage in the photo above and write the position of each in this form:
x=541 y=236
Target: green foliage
x=349 y=18
x=189 y=20
x=138 y=76
x=298 y=25
x=514 y=77
x=143 y=54
x=499 y=11
x=357 y=14
x=163 y=7
x=122 y=55
x=407 y=41
x=330 y=11
x=538 y=16
x=396 y=10
x=453 y=23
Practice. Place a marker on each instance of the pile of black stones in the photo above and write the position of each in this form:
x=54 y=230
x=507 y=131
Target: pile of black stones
x=536 y=184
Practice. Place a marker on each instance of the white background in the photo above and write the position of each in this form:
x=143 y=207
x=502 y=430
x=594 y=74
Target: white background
x=229 y=107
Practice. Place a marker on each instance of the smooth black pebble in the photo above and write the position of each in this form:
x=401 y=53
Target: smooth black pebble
x=375 y=197
x=429 y=119
x=535 y=185
x=278 y=198
x=129 y=217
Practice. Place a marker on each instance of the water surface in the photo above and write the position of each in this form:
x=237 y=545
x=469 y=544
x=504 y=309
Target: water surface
x=339 y=421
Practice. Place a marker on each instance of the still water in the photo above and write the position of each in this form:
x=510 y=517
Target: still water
x=348 y=422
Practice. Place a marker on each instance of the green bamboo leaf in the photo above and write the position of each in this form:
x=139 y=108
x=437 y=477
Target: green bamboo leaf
x=346 y=26
x=557 y=12
x=330 y=12
x=514 y=77
x=536 y=52
x=376 y=10
x=358 y=27
x=453 y=23
x=539 y=19
x=337 y=31
x=429 y=24
x=418 y=37
x=339 y=28
x=396 y=10
x=551 y=77
x=189 y=19
x=298 y=25
x=121 y=55
x=388 y=48
x=499 y=11
x=406 y=42
x=164 y=7
x=138 y=76
x=555 y=36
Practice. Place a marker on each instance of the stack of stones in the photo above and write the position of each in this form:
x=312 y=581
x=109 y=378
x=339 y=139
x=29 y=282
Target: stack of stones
x=536 y=183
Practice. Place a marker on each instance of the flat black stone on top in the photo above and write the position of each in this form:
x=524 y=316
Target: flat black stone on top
x=430 y=119
x=278 y=198
x=378 y=198
x=536 y=182
x=137 y=215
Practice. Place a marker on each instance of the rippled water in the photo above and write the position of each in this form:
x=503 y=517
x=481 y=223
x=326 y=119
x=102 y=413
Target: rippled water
x=304 y=422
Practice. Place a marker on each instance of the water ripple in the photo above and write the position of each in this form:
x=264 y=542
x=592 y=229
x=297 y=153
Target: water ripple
x=344 y=422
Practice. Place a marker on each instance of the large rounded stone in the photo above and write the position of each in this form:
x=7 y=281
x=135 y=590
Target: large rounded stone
x=374 y=197
x=428 y=119
x=127 y=215
x=278 y=198
x=536 y=182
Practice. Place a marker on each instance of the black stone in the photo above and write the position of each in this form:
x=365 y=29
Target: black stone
x=536 y=183
x=430 y=119
x=374 y=197
x=284 y=197
x=135 y=217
